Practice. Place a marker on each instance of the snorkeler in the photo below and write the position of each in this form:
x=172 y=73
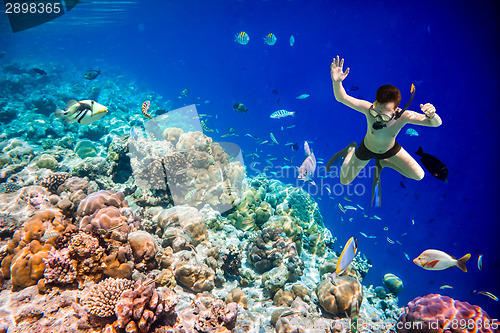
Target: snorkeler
x=384 y=120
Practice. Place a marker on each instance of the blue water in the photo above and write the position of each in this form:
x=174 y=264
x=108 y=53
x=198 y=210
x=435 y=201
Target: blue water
x=449 y=48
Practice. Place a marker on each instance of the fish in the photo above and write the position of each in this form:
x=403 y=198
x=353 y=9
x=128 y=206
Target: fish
x=242 y=38
x=364 y=235
x=84 y=112
x=360 y=207
x=347 y=255
x=265 y=141
x=292 y=40
x=39 y=71
x=411 y=132
x=347 y=199
x=190 y=194
x=480 y=262
x=486 y=293
x=303 y=96
x=9 y=187
x=184 y=93
x=92 y=74
x=412 y=222
x=446 y=287
x=354 y=314
x=437 y=168
x=436 y=260
x=281 y=114
x=205 y=127
x=240 y=108
x=145 y=108
x=341 y=208
x=386 y=228
x=406 y=255
x=230 y=132
x=347 y=207
x=133 y=133
x=308 y=167
x=291 y=126
x=270 y=39
x=273 y=138
x=390 y=240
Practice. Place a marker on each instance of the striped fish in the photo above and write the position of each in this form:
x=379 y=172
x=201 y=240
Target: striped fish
x=84 y=112
x=308 y=167
x=270 y=39
x=281 y=114
x=205 y=127
x=145 y=108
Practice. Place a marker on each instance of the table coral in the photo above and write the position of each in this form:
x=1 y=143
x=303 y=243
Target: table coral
x=337 y=298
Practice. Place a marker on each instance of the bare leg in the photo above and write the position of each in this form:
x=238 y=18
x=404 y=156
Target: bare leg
x=351 y=167
x=406 y=165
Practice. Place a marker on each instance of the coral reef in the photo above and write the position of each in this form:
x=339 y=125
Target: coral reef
x=101 y=299
x=438 y=313
x=338 y=297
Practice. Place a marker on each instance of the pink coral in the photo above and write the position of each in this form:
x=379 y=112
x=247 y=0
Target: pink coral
x=59 y=267
x=138 y=309
x=436 y=313
x=101 y=199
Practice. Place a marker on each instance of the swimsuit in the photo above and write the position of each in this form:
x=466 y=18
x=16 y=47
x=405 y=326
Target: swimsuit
x=365 y=154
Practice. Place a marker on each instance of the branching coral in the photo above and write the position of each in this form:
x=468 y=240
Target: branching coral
x=100 y=299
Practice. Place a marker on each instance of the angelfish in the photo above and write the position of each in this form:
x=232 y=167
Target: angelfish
x=347 y=255
x=308 y=167
x=435 y=260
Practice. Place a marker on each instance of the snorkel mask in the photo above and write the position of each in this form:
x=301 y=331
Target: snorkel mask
x=398 y=113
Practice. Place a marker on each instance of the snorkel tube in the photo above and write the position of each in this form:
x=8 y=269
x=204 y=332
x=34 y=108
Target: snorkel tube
x=378 y=125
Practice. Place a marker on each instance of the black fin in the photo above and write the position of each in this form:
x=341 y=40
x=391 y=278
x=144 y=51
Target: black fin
x=342 y=153
x=420 y=152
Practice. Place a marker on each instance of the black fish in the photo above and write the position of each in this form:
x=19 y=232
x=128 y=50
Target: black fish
x=92 y=74
x=240 y=108
x=295 y=146
x=402 y=184
x=437 y=168
x=39 y=71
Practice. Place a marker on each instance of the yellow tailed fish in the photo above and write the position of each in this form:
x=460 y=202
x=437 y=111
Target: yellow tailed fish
x=446 y=287
x=487 y=293
x=341 y=208
x=347 y=255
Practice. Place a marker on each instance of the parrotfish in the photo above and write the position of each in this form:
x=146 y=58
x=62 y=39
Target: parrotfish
x=437 y=168
x=92 y=74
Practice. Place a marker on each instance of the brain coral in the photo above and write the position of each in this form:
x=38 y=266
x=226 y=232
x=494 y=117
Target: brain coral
x=337 y=298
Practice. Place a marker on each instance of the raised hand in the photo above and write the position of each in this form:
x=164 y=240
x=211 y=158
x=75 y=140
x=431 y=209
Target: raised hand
x=428 y=109
x=338 y=74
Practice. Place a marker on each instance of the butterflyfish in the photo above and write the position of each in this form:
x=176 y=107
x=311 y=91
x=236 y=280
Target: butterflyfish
x=347 y=255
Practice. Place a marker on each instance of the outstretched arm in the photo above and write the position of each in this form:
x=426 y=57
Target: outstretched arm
x=338 y=75
x=429 y=118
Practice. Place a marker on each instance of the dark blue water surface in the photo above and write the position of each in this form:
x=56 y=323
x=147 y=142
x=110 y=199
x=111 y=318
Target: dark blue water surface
x=448 y=48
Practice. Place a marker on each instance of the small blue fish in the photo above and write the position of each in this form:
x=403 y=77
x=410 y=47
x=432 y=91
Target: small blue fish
x=411 y=132
x=281 y=114
x=292 y=40
x=270 y=39
x=303 y=96
x=480 y=262
x=242 y=38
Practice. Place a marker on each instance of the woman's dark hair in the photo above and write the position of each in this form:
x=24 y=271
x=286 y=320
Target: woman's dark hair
x=388 y=93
